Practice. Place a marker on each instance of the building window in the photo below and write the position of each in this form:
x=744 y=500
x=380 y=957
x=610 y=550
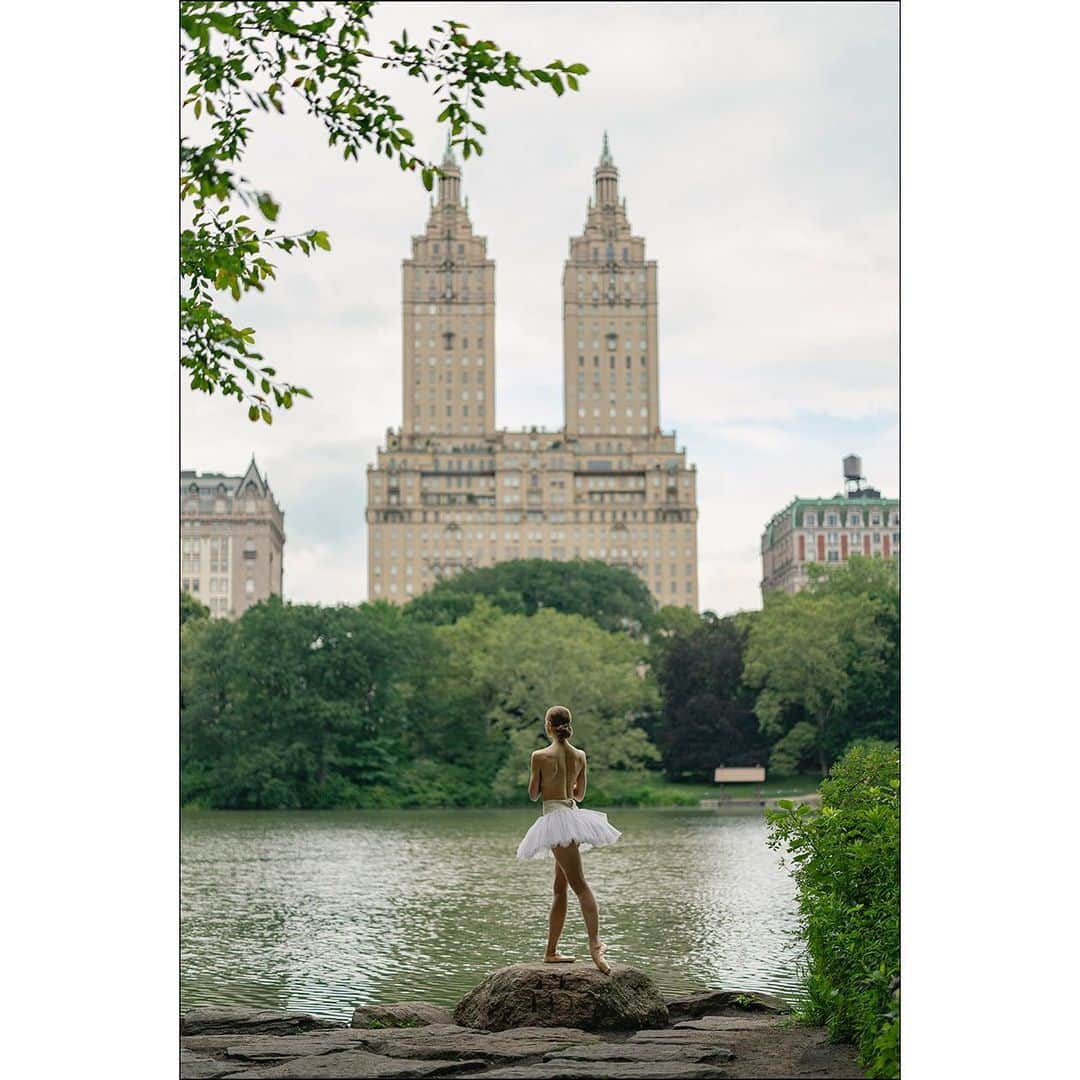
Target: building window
x=832 y=535
x=831 y=519
x=810 y=520
x=249 y=586
x=854 y=518
x=834 y=556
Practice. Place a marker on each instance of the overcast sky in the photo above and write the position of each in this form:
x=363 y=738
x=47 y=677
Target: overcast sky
x=757 y=148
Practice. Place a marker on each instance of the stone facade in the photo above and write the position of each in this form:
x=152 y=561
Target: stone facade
x=449 y=491
x=827 y=531
x=232 y=536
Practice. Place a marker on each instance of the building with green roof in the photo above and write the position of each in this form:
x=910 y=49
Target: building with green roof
x=857 y=521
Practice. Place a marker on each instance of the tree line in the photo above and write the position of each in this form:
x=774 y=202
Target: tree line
x=439 y=702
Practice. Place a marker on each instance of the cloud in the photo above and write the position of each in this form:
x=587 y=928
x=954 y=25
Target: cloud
x=757 y=148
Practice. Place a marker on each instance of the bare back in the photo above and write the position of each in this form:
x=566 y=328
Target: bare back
x=560 y=766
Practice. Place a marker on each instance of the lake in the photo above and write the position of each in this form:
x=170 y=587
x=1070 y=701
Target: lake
x=321 y=911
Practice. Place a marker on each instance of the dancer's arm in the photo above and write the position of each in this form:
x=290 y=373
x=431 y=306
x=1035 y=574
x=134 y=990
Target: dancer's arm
x=581 y=782
x=534 y=776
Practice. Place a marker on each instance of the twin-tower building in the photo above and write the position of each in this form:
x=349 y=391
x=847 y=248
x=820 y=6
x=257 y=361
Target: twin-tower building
x=451 y=491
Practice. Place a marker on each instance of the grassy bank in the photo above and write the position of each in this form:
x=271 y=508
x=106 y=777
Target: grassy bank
x=613 y=791
x=447 y=790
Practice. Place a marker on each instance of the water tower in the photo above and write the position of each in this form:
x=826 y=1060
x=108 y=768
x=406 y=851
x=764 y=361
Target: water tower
x=853 y=477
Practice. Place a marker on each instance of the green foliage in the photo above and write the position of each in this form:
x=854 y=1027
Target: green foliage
x=297 y=705
x=708 y=714
x=247 y=57
x=821 y=657
x=515 y=667
x=873 y=708
x=611 y=596
x=440 y=703
x=190 y=608
x=846 y=864
x=793 y=752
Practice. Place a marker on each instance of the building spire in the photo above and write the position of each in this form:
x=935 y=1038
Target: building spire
x=450 y=180
x=448 y=155
x=605 y=152
x=606 y=178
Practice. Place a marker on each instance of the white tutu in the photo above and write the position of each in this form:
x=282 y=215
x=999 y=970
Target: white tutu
x=563 y=822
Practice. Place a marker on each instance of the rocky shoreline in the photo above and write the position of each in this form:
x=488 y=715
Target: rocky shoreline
x=539 y=1021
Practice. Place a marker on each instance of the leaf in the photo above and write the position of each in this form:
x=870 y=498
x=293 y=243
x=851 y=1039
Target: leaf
x=321 y=240
x=253 y=413
x=268 y=206
x=266 y=414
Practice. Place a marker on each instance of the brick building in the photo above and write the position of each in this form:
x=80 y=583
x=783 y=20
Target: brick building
x=859 y=521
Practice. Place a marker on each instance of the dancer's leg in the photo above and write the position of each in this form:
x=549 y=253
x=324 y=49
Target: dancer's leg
x=556 y=920
x=569 y=858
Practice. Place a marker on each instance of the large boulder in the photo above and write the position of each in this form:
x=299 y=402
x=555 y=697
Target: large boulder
x=563 y=995
x=403 y=1014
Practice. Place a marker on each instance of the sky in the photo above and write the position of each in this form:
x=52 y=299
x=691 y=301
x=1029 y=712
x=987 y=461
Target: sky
x=757 y=148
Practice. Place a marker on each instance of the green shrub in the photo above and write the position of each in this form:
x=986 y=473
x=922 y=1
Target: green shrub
x=846 y=864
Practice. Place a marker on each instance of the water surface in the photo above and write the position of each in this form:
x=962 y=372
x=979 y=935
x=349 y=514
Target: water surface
x=323 y=911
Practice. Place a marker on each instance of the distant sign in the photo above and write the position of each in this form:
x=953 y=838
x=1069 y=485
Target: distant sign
x=751 y=775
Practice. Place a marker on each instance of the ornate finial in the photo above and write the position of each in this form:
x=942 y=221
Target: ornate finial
x=448 y=156
x=605 y=153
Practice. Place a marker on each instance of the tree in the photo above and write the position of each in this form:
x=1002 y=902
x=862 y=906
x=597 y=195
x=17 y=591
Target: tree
x=297 y=705
x=805 y=652
x=874 y=696
x=611 y=596
x=516 y=666
x=190 y=608
x=708 y=713
x=243 y=58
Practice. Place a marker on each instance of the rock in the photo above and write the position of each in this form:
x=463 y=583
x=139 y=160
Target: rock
x=725 y=1001
x=604 y=1070
x=403 y=1014
x=690 y=1036
x=725 y=1023
x=690 y=1052
x=272 y=1049
x=225 y=1019
x=197 y=1067
x=448 y=1041
x=356 y=1065
x=563 y=995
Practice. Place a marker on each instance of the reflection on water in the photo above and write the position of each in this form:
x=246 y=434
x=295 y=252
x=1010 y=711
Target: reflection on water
x=323 y=911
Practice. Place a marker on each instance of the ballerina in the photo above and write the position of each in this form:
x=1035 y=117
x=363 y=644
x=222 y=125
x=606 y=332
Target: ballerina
x=559 y=772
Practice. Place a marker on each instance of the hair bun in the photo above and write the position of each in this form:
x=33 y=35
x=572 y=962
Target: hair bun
x=562 y=723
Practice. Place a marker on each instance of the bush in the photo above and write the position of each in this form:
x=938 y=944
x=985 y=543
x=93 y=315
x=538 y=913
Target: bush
x=847 y=869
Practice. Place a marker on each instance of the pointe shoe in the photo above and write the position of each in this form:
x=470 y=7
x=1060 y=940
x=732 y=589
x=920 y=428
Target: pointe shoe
x=597 y=954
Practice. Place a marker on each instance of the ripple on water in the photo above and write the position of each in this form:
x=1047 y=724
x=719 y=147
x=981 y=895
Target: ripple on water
x=323 y=911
